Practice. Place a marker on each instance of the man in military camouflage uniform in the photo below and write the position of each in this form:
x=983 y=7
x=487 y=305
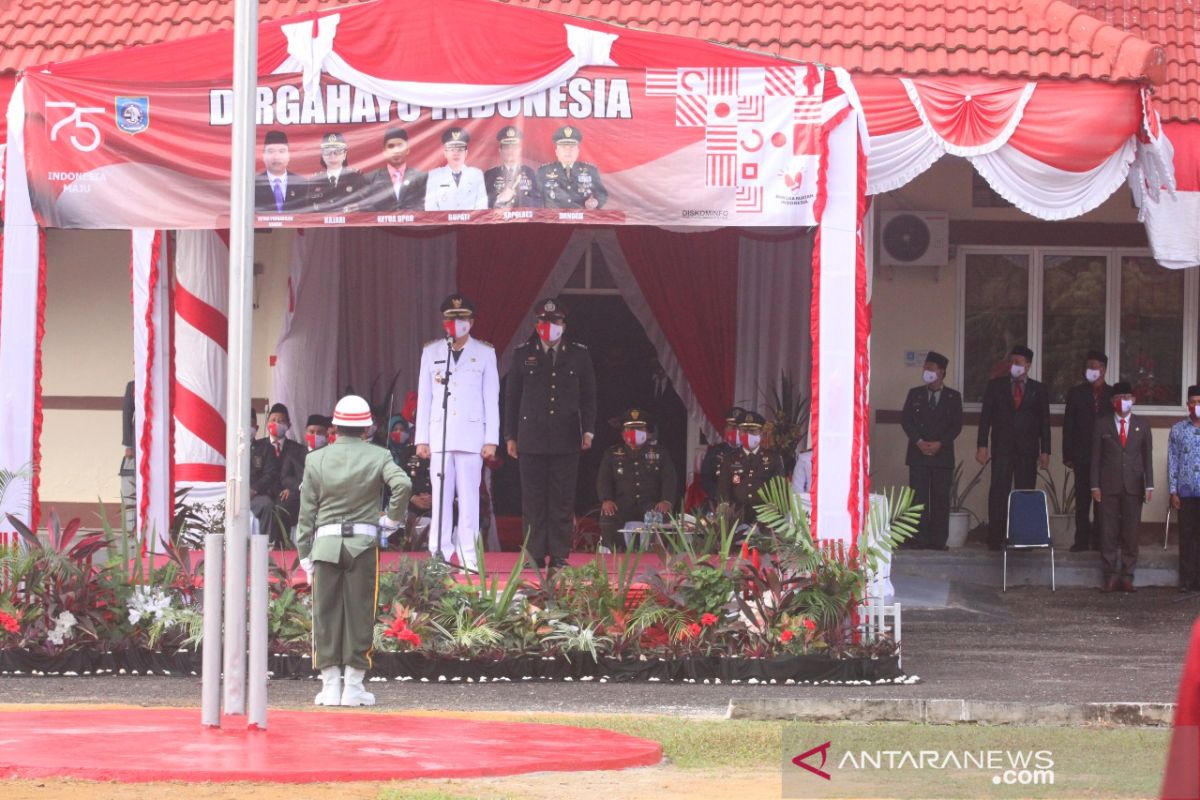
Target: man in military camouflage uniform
x=511 y=184
x=549 y=417
x=338 y=543
x=568 y=182
x=635 y=477
x=718 y=452
x=749 y=469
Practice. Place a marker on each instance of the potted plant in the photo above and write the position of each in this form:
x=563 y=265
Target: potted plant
x=962 y=519
x=1062 y=507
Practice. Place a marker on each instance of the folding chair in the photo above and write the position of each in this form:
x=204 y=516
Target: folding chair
x=1028 y=527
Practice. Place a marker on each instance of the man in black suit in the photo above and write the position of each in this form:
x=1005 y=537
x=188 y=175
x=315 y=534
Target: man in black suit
x=1085 y=402
x=396 y=186
x=276 y=470
x=549 y=417
x=276 y=190
x=932 y=419
x=1122 y=481
x=1016 y=414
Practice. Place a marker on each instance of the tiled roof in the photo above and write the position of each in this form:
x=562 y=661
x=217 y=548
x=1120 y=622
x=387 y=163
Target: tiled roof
x=1174 y=24
x=1097 y=39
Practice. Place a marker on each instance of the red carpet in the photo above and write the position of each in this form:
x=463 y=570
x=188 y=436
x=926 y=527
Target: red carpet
x=300 y=747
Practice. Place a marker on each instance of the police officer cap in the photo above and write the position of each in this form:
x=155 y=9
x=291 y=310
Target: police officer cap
x=394 y=133
x=279 y=408
x=551 y=310
x=456 y=137
x=352 y=412
x=509 y=135
x=752 y=420
x=734 y=414
x=1122 y=387
x=1022 y=350
x=635 y=418
x=275 y=137
x=1096 y=355
x=320 y=420
x=333 y=140
x=933 y=357
x=568 y=134
x=457 y=306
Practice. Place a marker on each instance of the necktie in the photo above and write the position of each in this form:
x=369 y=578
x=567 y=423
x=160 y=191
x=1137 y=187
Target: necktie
x=457 y=177
x=396 y=185
x=1018 y=393
x=1123 y=435
x=553 y=356
x=933 y=398
x=279 y=448
x=278 y=187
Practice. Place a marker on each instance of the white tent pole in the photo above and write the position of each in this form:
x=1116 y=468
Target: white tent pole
x=241 y=272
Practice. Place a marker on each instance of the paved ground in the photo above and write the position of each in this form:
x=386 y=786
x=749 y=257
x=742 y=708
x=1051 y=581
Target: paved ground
x=1029 y=645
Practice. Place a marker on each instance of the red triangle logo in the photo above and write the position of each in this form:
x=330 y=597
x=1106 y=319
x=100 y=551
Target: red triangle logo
x=801 y=760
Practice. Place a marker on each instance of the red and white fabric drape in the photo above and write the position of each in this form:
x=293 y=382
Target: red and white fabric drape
x=151 y=277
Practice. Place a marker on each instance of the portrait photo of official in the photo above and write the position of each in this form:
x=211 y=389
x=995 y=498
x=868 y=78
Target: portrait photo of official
x=337 y=187
x=568 y=182
x=512 y=184
x=397 y=185
x=277 y=190
x=455 y=186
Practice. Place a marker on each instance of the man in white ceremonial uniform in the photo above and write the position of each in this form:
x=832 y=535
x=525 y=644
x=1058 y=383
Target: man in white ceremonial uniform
x=455 y=187
x=458 y=415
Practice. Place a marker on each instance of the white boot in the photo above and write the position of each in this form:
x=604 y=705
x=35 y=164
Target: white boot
x=354 y=694
x=331 y=687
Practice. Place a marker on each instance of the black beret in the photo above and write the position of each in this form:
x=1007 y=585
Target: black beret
x=394 y=133
x=1096 y=355
x=1022 y=350
x=317 y=419
x=550 y=309
x=275 y=137
x=509 y=135
x=1122 y=387
x=279 y=408
x=456 y=136
x=457 y=305
x=935 y=357
x=568 y=134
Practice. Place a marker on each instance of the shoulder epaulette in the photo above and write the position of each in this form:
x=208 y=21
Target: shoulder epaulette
x=486 y=344
x=433 y=341
x=580 y=345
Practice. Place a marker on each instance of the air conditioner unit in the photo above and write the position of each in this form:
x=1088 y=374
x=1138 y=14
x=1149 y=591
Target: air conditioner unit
x=914 y=238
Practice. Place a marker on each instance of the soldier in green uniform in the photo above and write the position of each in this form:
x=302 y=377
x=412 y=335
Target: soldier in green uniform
x=338 y=539
x=749 y=469
x=718 y=453
x=635 y=477
x=568 y=182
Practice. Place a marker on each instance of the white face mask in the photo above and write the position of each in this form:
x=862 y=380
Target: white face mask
x=550 y=332
x=1016 y=370
x=1194 y=411
x=1092 y=375
x=253 y=431
x=457 y=328
x=929 y=376
x=1126 y=406
x=752 y=440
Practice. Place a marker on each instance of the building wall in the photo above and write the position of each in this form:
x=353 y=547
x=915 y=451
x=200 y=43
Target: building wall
x=88 y=357
x=915 y=309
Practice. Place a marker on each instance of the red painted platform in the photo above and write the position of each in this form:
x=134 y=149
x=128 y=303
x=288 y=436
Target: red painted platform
x=137 y=745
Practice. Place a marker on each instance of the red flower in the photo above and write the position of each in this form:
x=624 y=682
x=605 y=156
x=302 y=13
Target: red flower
x=412 y=637
x=746 y=550
x=786 y=636
x=708 y=619
x=754 y=559
x=397 y=629
x=693 y=629
x=810 y=625
x=9 y=623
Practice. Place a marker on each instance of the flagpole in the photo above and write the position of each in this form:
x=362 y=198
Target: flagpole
x=241 y=271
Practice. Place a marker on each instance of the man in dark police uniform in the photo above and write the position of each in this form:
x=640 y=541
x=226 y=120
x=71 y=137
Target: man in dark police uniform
x=635 y=477
x=549 y=417
x=568 y=182
x=511 y=184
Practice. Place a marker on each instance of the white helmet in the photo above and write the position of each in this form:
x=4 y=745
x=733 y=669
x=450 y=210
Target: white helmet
x=352 y=412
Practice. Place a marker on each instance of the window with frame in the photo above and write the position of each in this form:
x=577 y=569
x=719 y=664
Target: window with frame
x=996 y=310
x=1152 y=306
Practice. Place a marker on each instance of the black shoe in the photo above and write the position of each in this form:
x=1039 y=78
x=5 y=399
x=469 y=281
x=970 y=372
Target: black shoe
x=1079 y=548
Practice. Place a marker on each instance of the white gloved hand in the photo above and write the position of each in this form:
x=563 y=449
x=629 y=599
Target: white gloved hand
x=387 y=523
x=306 y=564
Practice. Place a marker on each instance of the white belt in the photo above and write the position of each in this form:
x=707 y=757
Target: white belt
x=335 y=529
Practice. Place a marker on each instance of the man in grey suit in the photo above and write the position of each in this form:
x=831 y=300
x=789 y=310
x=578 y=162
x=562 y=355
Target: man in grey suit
x=1122 y=481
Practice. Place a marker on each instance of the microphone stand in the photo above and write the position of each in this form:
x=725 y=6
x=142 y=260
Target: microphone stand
x=441 y=507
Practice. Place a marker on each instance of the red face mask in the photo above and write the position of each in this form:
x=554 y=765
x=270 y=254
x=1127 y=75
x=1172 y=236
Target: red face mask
x=332 y=438
x=731 y=436
x=549 y=332
x=456 y=328
x=634 y=437
x=398 y=436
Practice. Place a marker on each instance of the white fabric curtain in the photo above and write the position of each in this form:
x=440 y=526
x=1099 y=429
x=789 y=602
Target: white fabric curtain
x=304 y=377
x=153 y=461
x=774 y=298
x=392 y=287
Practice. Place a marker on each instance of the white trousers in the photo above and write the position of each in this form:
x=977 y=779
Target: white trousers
x=463 y=473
